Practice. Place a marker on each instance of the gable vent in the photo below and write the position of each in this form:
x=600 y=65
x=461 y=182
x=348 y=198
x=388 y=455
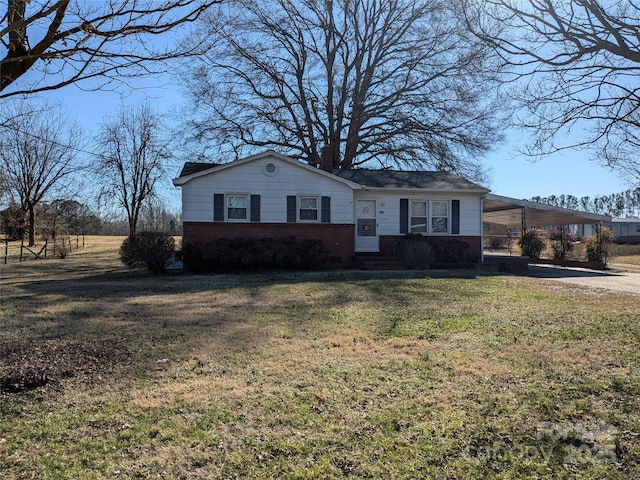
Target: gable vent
x=270 y=169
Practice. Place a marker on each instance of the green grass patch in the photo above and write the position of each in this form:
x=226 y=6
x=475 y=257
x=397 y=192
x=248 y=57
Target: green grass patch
x=315 y=375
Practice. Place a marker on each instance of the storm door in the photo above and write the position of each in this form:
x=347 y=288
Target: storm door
x=366 y=226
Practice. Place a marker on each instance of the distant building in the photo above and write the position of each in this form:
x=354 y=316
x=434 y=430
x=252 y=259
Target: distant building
x=626 y=230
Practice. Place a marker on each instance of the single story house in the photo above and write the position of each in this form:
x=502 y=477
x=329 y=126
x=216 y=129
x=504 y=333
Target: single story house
x=353 y=212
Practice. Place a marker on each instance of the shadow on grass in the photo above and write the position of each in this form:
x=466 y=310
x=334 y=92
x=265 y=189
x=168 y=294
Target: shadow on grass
x=133 y=283
x=134 y=302
x=566 y=272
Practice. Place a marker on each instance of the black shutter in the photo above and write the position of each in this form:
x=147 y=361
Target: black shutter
x=455 y=217
x=255 y=208
x=218 y=207
x=325 y=215
x=404 y=215
x=292 y=215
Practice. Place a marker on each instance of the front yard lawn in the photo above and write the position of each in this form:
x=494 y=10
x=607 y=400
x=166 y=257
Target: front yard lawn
x=109 y=373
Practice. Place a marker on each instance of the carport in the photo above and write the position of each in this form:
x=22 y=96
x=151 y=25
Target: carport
x=515 y=213
x=523 y=214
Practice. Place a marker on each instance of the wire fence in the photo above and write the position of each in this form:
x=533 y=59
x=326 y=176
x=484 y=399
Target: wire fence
x=19 y=251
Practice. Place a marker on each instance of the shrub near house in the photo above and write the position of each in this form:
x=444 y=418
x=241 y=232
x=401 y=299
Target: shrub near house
x=254 y=254
x=147 y=249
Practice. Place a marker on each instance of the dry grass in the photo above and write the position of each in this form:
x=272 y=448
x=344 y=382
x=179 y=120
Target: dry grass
x=319 y=375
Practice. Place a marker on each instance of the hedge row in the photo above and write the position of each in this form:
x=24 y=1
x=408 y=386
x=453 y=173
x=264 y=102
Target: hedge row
x=418 y=252
x=232 y=254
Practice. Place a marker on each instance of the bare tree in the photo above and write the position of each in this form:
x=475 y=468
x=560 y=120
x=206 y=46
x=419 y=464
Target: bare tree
x=576 y=64
x=38 y=150
x=389 y=81
x=67 y=41
x=132 y=156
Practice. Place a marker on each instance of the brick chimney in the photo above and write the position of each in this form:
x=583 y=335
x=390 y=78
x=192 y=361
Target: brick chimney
x=326 y=159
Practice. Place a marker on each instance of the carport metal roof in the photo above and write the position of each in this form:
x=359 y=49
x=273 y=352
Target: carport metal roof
x=523 y=213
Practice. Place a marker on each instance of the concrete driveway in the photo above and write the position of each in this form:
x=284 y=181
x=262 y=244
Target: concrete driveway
x=619 y=281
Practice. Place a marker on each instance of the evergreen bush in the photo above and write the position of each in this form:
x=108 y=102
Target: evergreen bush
x=599 y=251
x=531 y=243
x=147 y=249
x=232 y=254
x=561 y=241
x=416 y=252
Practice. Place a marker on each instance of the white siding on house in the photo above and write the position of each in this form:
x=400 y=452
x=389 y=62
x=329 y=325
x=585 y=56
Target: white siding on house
x=250 y=178
x=388 y=209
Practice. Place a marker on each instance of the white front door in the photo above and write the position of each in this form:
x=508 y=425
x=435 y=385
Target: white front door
x=366 y=226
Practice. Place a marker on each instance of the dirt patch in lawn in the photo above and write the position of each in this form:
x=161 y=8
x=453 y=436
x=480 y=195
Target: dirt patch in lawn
x=27 y=364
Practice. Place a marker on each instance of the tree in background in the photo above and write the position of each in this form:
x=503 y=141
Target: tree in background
x=576 y=65
x=389 y=81
x=38 y=152
x=132 y=156
x=621 y=204
x=66 y=41
x=67 y=217
x=14 y=222
x=156 y=218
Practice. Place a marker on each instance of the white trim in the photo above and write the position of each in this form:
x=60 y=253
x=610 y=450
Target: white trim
x=426 y=219
x=247 y=208
x=318 y=208
x=448 y=217
x=371 y=243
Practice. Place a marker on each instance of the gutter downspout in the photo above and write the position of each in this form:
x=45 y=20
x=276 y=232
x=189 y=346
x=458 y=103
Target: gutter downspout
x=482 y=229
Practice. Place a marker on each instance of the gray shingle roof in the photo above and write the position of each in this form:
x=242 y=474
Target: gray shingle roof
x=392 y=179
x=195 y=167
x=401 y=179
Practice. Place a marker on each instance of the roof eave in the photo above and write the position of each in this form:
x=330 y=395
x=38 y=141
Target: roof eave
x=180 y=181
x=479 y=191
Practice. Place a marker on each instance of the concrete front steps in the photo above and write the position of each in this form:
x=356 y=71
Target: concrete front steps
x=377 y=262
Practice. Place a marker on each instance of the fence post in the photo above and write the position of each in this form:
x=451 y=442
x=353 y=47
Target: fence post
x=46 y=242
x=77 y=242
x=21 y=248
x=6 y=251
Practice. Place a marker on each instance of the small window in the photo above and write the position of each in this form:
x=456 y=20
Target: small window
x=308 y=211
x=439 y=216
x=418 y=217
x=237 y=207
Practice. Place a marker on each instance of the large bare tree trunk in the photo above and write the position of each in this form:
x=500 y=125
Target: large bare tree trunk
x=32 y=225
x=385 y=82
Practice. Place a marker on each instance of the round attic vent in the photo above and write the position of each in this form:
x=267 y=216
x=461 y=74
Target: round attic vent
x=270 y=169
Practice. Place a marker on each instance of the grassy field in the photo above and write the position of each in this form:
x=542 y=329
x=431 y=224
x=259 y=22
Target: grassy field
x=112 y=373
x=626 y=257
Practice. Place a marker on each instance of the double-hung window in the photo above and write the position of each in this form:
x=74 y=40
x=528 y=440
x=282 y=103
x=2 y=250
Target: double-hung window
x=429 y=217
x=308 y=209
x=419 y=209
x=237 y=207
x=439 y=216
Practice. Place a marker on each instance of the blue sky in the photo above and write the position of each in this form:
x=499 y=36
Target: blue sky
x=512 y=175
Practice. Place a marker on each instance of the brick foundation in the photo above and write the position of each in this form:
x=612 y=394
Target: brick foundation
x=338 y=238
